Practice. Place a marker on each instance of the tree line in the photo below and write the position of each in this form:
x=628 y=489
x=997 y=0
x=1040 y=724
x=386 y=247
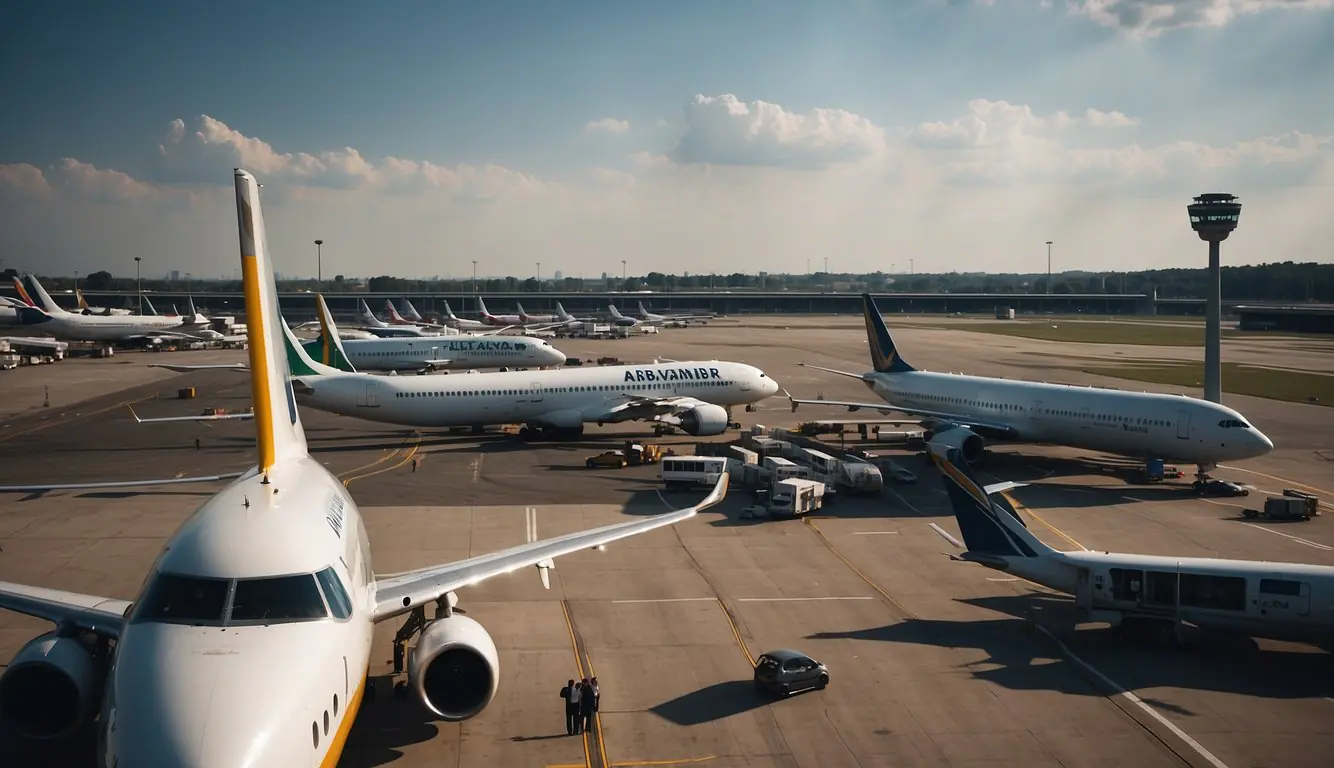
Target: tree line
x=1277 y=282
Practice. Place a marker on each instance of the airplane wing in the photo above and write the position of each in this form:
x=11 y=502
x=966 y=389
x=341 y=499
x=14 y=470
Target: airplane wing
x=211 y=417
x=1007 y=485
x=637 y=407
x=188 y=368
x=401 y=593
x=101 y=615
x=117 y=484
x=883 y=407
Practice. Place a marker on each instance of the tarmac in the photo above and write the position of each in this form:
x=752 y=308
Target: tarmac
x=932 y=662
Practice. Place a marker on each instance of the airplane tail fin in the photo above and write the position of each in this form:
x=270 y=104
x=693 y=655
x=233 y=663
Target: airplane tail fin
x=328 y=347
x=411 y=313
x=481 y=306
x=44 y=301
x=368 y=317
x=561 y=313
x=523 y=316
x=190 y=307
x=278 y=433
x=884 y=357
x=449 y=312
x=83 y=303
x=23 y=292
x=643 y=312
x=991 y=527
x=393 y=312
x=149 y=309
x=614 y=311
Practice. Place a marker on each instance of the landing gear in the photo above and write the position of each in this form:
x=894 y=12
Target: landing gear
x=533 y=433
x=1202 y=476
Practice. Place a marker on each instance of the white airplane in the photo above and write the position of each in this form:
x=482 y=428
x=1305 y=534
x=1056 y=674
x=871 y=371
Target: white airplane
x=672 y=321
x=1285 y=601
x=529 y=319
x=91 y=310
x=429 y=354
x=71 y=326
x=618 y=319
x=249 y=644
x=1137 y=424
x=490 y=319
x=463 y=324
x=695 y=396
x=381 y=329
x=9 y=311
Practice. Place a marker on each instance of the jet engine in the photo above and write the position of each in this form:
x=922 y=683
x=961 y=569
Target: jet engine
x=968 y=442
x=704 y=419
x=454 y=667
x=50 y=688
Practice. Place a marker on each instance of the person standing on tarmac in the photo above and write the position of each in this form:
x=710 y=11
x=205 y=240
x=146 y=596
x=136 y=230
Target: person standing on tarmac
x=587 y=701
x=570 y=693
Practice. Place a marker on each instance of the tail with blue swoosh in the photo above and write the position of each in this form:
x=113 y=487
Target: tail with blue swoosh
x=884 y=357
x=992 y=529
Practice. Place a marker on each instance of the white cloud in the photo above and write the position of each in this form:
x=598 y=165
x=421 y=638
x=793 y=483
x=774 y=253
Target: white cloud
x=723 y=130
x=748 y=186
x=607 y=125
x=1150 y=18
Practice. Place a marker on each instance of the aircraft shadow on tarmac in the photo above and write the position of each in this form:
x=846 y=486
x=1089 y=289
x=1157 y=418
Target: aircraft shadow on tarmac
x=1219 y=663
x=385 y=724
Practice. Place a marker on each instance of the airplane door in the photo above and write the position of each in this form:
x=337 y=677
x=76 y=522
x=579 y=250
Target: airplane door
x=1183 y=425
x=1084 y=591
x=370 y=396
x=537 y=394
x=745 y=384
x=1036 y=411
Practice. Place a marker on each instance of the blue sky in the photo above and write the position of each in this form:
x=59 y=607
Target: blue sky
x=510 y=86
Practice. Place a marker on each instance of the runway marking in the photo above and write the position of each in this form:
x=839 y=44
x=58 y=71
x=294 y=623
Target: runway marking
x=72 y=419
x=416 y=438
x=668 y=600
x=1048 y=525
x=579 y=664
x=531 y=514
x=682 y=761
x=477 y=467
x=1137 y=701
x=1297 y=539
x=1280 y=479
x=907 y=614
x=736 y=633
x=796 y=599
x=875 y=533
x=905 y=502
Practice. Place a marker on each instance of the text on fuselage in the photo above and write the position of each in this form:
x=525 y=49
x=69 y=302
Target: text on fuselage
x=672 y=374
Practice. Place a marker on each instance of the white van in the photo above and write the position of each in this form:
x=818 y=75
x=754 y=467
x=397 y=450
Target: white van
x=687 y=471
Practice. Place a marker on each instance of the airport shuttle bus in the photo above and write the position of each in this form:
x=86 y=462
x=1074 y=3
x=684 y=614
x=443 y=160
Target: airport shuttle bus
x=681 y=472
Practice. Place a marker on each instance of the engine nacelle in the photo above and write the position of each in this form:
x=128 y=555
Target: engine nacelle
x=50 y=689
x=969 y=443
x=454 y=667
x=704 y=419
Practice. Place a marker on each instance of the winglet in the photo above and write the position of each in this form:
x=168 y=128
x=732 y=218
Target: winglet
x=278 y=432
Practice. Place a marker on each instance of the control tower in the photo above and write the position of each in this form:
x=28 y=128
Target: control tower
x=1213 y=217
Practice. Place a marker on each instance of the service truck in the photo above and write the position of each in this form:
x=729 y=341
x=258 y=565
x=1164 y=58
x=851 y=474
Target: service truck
x=795 y=497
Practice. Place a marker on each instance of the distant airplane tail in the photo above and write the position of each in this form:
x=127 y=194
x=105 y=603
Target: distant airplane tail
x=368 y=317
x=394 y=316
x=32 y=315
x=278 y=433
x=614 y=311
x=411 y=313
x=23 y=292
x=884 y=357
x=83 y=303
x=992 y=529
x=149 y=309
x=449 y=313
x=643 y=312
x=562 y=314
x=327 y=348
x=481 y=307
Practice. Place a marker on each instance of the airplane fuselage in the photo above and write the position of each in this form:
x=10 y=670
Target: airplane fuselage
x=273 y=692
x=1136 y=424
x=460 y=351
x=1282 y=601
x=110 y=327
x=564 y=398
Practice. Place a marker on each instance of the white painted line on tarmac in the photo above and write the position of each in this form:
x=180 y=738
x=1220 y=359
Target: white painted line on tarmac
x=876 y=533
x=670 y=600
x=1011 y=578
x=1137 y=701
x=793 y=599
x=1297 y=539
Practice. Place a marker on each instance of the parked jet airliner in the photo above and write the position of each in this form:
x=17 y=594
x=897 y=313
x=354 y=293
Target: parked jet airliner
x=1284 y=601
x=72 y=326
x=694 y=396
x=1138 y=424
x=491 y=319
x=463 y=324
x=679 y=321
x=250 y=642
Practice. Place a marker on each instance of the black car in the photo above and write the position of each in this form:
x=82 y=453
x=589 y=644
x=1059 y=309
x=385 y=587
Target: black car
x=783 y=671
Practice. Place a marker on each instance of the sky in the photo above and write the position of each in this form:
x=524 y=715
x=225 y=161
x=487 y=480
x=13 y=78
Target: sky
x=415 y=138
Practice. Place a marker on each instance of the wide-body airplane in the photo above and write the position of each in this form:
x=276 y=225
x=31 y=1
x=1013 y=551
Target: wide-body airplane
x=493 y=320
x=1137 y=424
x=695 y=396
x=249 y=643
x=1285 y=601
x=51 y=319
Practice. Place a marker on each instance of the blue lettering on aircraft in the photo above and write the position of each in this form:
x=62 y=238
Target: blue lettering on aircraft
x=481 y=346
x=672 y=374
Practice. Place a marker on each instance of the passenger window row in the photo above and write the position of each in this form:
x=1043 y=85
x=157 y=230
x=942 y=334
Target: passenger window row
x=561 y=390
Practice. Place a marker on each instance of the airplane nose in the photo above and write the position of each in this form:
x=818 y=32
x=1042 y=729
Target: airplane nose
x=1264 y=441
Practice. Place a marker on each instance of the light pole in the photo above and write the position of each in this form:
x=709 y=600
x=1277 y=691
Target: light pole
x=1213 y=217
x=139 y=283
x=539 y=277
x=1048 y=266
x=623 y=277
x=826 y=265
x=474 y=281
x=319 y=265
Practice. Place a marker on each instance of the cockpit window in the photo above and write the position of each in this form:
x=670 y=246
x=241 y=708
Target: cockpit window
x=1233 y=424
x=176 y=599
x=284 y=598
x=334 y=593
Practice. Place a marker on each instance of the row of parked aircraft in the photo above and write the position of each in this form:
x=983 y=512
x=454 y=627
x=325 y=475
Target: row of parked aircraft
x=409 y=322
x=250 y=640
